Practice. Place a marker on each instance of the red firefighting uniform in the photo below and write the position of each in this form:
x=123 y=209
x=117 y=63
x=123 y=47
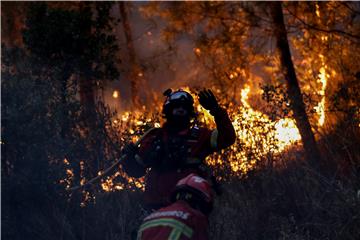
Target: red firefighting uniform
x=176 y=222
x=179 y=155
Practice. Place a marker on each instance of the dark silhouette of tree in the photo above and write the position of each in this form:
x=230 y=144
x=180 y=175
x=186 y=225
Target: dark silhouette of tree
x=294 y=92
x=12 y=22
x=134 y=67
x=323 y=35
x=75 y=42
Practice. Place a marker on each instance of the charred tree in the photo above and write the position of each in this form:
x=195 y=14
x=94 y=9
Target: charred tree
x=134 y=82
x=12 y=23
x=86 y=48
x=293 y=88
x=86 y=85
x=87 y=99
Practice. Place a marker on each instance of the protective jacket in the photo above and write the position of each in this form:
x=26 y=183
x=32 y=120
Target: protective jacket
x=172 y=156
x=176 y=222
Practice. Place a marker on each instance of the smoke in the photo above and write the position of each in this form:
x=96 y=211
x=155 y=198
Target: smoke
x=162 y=65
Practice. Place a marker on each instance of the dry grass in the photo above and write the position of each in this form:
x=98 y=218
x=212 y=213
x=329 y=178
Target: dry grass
x=287 y=202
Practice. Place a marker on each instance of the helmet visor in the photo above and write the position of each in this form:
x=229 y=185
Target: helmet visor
x=180 y=95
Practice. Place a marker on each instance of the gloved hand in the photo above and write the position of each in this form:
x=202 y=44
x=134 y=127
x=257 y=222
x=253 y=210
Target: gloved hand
x=208 y=100
x=130 y=164
x=130 y=149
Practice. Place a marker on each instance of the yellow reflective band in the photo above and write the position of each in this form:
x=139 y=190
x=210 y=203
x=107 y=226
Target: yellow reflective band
x=178 y=227
x=213 y=138
x=175 y=234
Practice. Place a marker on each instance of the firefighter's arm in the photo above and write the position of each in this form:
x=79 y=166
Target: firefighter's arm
x=132 y=163
x=224 y=134
x=135 y=160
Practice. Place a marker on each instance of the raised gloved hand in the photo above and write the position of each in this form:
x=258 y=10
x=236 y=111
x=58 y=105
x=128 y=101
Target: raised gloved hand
x=130 y=149
x=208 y=100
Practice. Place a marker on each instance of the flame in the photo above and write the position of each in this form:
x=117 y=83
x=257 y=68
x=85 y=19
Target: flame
x=66 y=162
x=254 y=130
x=317 y=11
x=67 y=181
x=256 y=134
x=322 y=78
x=107 y=185
x=244 y=96
x=69 y=172
x=320 y=108
x=115 y=94
x=285 y=130
x=197 y=51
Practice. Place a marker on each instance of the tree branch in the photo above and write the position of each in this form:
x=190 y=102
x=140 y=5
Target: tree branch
x=317 y=28
x=350 y=8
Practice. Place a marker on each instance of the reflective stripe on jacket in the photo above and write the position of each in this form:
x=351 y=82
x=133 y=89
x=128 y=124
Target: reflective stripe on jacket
x=175 y=222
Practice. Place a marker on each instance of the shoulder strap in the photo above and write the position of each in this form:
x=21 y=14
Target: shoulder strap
x=194 y=132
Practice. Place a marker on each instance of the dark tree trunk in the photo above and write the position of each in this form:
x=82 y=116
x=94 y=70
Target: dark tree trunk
x=86 y=83
x=132 y=56
x=64 y=92
x=87 y=94
x=296 y=99
x=87 y=101
x=12 y=23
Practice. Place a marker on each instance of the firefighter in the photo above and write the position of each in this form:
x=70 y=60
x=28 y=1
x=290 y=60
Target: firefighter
x=186 y=217
x=179 y=147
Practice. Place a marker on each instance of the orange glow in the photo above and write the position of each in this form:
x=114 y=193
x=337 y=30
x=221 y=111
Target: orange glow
x=67 y=181
x=66 y=162
x=256 y=133
x=197 y=51
x=317 y=11
x=284 y=130
x=115 y=94
x=322 y=77
x=320 y=108
x=69 y=172
x=250 y=133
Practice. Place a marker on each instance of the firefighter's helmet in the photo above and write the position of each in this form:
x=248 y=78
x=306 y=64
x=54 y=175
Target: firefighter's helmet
x=199 y=189
x=179 y=97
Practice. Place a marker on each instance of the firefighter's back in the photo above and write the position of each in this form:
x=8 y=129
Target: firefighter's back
x=177 y=221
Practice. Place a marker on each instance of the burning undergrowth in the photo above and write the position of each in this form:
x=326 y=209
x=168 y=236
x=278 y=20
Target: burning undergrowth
x=260 y=141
